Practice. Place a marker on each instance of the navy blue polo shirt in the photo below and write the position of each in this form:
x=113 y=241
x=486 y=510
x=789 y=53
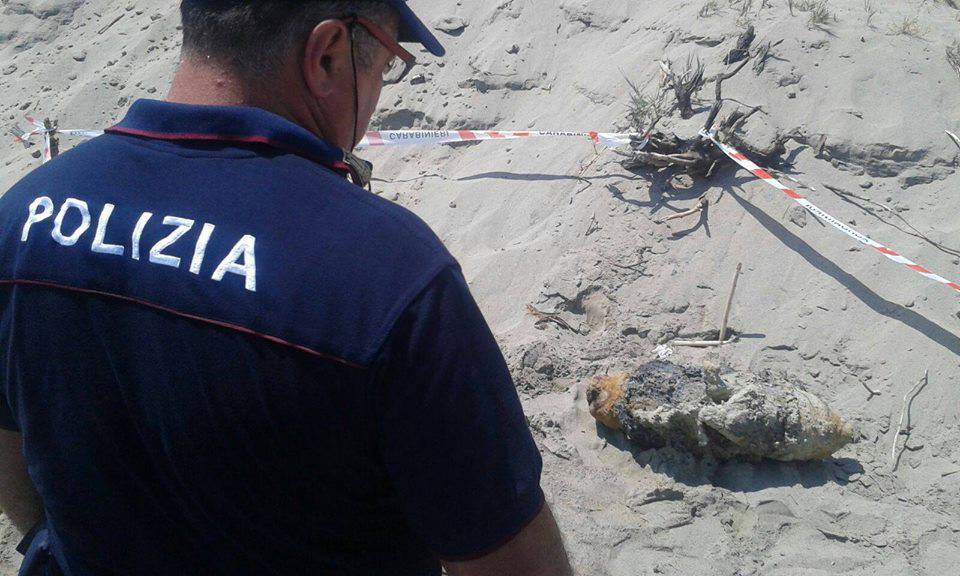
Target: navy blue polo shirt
x=225 y=358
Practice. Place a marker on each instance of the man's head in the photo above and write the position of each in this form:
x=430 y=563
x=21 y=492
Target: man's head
x=316 y=58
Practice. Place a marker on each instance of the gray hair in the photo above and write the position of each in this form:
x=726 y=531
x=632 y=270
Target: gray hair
x=255 y=38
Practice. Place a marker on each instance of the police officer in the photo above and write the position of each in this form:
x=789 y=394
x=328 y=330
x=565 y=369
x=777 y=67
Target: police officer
x=220 y=355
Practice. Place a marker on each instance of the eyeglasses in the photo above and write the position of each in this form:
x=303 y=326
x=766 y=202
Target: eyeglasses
x=402 y=61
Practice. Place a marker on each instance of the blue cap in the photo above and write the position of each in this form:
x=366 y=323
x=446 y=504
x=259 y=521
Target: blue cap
x=412 y=29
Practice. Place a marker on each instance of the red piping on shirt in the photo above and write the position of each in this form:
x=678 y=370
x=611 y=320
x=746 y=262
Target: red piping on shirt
x=180 y=314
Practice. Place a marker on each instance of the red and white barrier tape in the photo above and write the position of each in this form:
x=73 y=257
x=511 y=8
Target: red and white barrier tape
x=39 y=129
x=607 y=139
x=762 y=174
x=397 y=137
x=413 y=137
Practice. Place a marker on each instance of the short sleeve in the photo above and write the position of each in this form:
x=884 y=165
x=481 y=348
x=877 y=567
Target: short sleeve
x=452 y=433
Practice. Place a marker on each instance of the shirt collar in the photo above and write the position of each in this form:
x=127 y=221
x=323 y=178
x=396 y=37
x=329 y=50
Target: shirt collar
x=237 y=124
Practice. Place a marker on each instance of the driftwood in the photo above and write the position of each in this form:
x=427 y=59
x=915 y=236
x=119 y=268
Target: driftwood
x=742 y=49
x=870 y=390
x=703 y=343
x=905 y=411
x=685 y=84
x=698 y=156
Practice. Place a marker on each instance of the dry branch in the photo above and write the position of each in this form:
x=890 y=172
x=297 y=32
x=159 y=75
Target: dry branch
x=726 y=311
x=870 y=390
x=905 y=411
x=702 y=203
x=723 y=324
x=703 y=343
x=718 y=101
x=686 y=84
x=697 y=156
x=547 y=317
x=110 y=24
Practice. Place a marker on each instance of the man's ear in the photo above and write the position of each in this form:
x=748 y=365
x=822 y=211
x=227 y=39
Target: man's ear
x=326 y=57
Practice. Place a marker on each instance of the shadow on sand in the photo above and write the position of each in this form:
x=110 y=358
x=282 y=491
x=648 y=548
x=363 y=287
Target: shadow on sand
x=871 y=299
x=734 y=475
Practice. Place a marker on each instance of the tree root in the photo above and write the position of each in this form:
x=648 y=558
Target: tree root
x=697 y=156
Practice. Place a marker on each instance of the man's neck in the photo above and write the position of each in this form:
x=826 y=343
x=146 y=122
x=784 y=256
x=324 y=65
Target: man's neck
x=207 y=82
x=203 y=81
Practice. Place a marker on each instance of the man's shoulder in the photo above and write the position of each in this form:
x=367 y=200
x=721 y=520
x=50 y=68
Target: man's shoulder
x=321 y=263
x=308 y=193
x=338 y=212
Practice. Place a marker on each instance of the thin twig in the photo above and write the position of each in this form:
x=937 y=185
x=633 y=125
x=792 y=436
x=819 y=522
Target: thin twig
x=703 y=343
x=702 y=204
x=718 y=101
x=684 y=85
x=951 y=473
x=544 y=317
x=735 y=101
x=726 y=311
x=845 y=196
x=723 y=325
x=589 y=164
x=635 y=267
x=905 y=411
x=870 y=390
x=112 y=22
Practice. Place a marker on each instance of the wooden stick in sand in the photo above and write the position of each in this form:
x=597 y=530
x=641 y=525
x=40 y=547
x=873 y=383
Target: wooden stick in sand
x=111 y=23
x=702 y=204
x=702 y=343
x=905 y=411
x=723 y=325
x=54 y=139
x=726 y=312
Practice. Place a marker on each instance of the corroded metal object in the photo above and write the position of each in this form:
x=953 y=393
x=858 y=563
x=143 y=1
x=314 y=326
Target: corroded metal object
x=694 y=409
